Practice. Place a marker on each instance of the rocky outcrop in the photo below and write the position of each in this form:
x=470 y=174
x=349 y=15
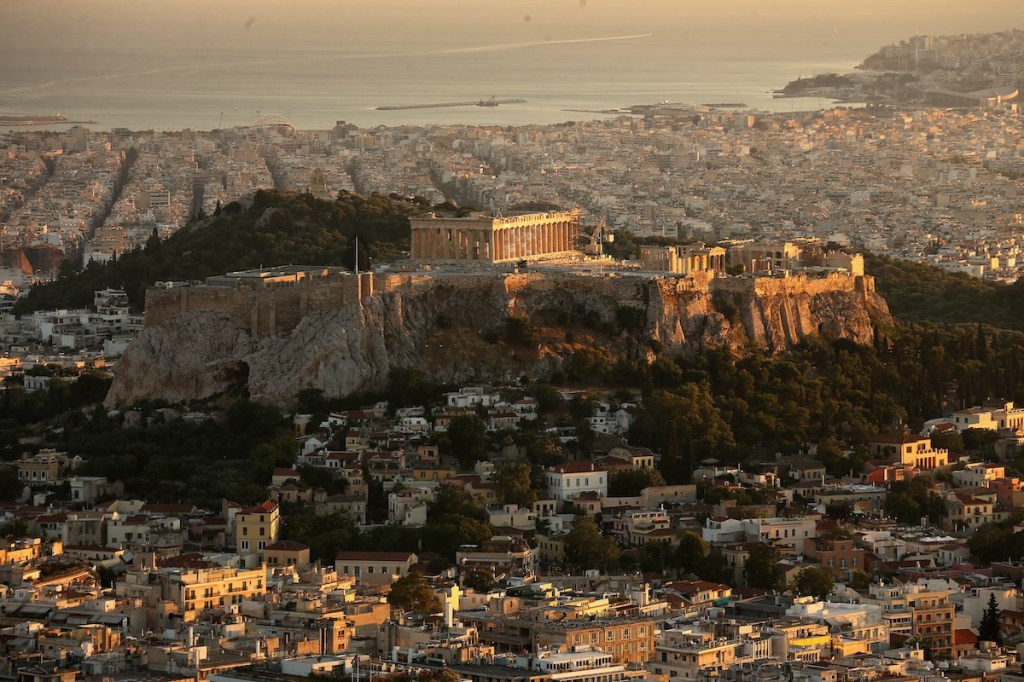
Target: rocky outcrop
x=199 y=355
x=445 y=325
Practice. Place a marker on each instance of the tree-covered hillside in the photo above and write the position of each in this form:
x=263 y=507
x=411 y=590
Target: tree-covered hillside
x=274 y=229
x=922 y=293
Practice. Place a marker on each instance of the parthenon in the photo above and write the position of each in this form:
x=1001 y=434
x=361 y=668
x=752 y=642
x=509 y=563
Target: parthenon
x=490 y=239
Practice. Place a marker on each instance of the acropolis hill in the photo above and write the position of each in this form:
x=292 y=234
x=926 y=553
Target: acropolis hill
x=282 y=330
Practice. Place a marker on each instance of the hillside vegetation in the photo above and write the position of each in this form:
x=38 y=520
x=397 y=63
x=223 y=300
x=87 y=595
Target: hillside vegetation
x=917 y=292
x=956 y=341
x=275 y=228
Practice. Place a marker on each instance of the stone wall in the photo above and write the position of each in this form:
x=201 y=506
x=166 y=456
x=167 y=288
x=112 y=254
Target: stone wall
x=260 y=310
x=345 y=335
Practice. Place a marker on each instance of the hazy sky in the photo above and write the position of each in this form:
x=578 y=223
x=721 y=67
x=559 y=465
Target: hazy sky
x=191 y=63
x=250 y=23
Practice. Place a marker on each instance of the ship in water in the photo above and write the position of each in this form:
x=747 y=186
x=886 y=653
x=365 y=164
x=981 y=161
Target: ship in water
x=492 y=102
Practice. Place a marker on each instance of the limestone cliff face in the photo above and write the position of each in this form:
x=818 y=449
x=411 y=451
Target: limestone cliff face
x=198 y=356
x=444 y=325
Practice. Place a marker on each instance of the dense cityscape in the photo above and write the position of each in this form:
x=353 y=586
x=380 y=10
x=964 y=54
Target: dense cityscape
x=948 y=180
x=606 y=400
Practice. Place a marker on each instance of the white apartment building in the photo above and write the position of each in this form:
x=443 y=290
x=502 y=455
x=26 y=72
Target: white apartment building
x=472 y=396
x=566 y=481
x=783 y=532
x=788 y=533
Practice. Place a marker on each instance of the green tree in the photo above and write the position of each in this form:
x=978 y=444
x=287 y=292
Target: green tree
x=586 y=547
x=760 y=566
x=631 y=482
x=322 y=477
x=714 y=568
x=547 y=397
x=453 y=520
x=656 y=557
x=408 y=387
x=324 y=535
x=814 y=581
x=17 y=528
x=545 y=451
x=860 y=579
x=265 y=457
x=989 y=629
x=690 y=552
x=682 y=424
x=948 y=440
x=413 y=593
x=514 y=485
x=977 y=439
x=478 y=580
x=10 y=487
x=903 y=508
x=467 y=435
x=451 y=499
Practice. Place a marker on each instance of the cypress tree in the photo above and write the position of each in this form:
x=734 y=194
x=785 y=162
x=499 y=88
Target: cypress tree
x=988 y=630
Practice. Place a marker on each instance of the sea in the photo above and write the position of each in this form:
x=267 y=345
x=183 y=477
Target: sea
x=175 y=85
x=314 y=88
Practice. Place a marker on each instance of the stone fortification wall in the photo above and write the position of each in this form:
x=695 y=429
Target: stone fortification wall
x=277 y=310
x=260 y=310
x=776 y=312
x=344 y=335
x=796 y=285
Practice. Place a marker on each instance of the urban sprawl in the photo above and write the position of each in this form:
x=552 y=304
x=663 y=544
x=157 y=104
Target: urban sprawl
x=105 y=588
